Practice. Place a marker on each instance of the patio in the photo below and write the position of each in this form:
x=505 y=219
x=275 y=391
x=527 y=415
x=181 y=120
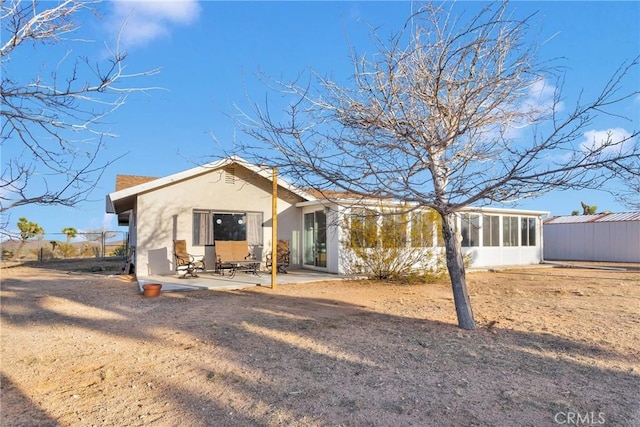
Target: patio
x=213 y=281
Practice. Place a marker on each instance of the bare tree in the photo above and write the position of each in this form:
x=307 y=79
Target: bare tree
x=629 y=194
x=52 y=122
x=98 y=234
x=435 y=117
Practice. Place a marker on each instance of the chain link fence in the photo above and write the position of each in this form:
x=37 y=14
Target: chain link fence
x=104 y=244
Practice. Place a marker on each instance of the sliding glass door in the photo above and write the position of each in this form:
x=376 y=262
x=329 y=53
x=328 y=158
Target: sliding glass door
x=315 y=239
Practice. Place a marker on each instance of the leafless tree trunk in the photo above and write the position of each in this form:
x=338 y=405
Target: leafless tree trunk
x=455 y=265
x=437 y=117
x=51 y=124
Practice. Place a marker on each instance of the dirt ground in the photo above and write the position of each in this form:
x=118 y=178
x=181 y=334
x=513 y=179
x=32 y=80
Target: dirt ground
x=555 y=346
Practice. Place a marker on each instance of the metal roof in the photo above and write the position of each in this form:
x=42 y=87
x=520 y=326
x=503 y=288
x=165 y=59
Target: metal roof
x=623 y=216
x=605 y=217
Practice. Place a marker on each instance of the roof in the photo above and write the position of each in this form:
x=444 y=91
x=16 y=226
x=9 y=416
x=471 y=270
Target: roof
x=123 y=199
x=332 y=194
x=505 y=211
x=126 y=181
x=603 y=217
x=352 y=199
x=330 y=197
x=623 y=216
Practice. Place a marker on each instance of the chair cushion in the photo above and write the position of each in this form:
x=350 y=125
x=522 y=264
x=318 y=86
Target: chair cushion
x=231 y=250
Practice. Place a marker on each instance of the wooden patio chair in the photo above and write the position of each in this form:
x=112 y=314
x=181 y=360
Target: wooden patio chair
x=185 y=262
x=282 y=257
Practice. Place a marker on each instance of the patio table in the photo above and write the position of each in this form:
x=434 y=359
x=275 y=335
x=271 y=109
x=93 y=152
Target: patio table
x=248 y=266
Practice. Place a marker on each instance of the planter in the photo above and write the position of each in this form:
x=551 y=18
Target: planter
x=151 y=289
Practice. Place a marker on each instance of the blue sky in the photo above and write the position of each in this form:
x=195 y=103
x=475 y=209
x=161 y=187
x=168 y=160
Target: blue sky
x=209 y=54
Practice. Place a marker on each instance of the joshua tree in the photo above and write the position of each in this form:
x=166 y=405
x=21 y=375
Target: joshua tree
x=588 y=209
x=67 y=249
x=28 y=230
x=70 y=232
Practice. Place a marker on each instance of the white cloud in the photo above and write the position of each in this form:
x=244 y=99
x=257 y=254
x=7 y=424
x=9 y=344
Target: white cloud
x=536 y=106
x=146 y=20
x=613 y=140
x=109 y=222
x=541 y=98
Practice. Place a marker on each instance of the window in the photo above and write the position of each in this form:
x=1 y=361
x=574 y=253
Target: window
x=202 y=228
x=470 y=229
x=528 y=230
x=315 y=238
x=424 y=226
x=364 y=228
x=490 y=230
x=209 y=226
x=227 y=226
x=393 y=233
x=510 y=231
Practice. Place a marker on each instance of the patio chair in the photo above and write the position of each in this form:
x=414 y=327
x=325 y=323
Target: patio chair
x=282 y=257
x=230 y=250
x=185 y=262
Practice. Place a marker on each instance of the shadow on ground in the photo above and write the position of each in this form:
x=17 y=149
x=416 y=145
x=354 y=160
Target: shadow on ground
x=262 y=358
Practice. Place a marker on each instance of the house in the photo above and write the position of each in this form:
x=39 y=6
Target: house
x=610 y=237
x=231 y=199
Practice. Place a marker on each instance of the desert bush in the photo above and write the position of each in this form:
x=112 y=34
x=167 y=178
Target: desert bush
x=395 y=246
x=46 y=253
x=376 y=245
x=7 y=254
x=89 y=250
x=67 y=250
x=119 y=251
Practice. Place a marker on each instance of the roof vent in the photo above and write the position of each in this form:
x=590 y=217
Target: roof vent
x=230 y=175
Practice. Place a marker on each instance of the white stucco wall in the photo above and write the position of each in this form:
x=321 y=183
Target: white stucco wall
x=334 y=235
x=503 y=256
x=166 y=214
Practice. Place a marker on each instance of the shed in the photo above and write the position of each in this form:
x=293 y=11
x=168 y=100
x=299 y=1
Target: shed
x=610 y=237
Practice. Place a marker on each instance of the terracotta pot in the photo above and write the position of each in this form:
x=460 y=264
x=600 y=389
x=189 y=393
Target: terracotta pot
x=152 y=289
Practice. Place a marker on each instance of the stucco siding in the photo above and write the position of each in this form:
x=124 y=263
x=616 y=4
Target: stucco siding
x=503 y=256
x=166 y=213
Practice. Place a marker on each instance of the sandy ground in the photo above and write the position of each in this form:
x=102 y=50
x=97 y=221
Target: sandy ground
x=555 y=346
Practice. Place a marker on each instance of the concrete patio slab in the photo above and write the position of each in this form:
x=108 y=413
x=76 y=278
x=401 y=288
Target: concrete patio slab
x=211 y=280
